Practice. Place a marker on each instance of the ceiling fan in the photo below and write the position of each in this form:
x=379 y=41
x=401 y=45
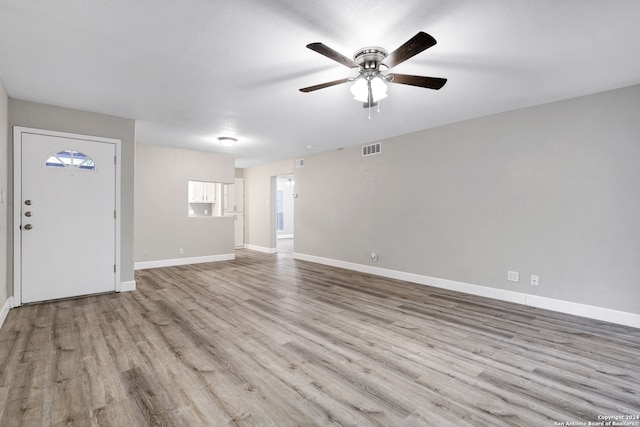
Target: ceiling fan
x=369 y=84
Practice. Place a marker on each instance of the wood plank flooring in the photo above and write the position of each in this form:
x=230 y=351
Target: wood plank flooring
x=269 y=341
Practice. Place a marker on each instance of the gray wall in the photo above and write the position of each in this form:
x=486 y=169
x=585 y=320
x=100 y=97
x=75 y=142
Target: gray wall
x=41 y=116
x=162 y=225
x=4 y=184
x=550 y=190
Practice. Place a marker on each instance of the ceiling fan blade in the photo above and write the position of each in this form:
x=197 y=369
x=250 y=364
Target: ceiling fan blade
x=323 y=85
x=420 y=81
x=415 y=45
x=332 y=54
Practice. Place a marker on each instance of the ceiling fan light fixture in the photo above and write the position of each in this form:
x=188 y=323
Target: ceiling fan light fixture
x=369 y=86
x=360 y=89
x=227 y=141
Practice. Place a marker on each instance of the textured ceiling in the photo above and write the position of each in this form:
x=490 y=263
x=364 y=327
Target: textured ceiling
x=189 y=71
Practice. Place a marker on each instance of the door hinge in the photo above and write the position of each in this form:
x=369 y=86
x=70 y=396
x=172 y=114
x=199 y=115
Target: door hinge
x=114 y=214
x=114 y=268
x=115 y=160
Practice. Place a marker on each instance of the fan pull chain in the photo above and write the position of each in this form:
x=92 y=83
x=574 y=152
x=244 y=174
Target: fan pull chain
x=378 y=109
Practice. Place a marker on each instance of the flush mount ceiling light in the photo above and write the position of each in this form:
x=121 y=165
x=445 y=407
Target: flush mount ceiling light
x=227 y=141
x=369 y=85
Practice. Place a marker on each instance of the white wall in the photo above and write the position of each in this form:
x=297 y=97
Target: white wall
x=162 y=225
x=550 y=190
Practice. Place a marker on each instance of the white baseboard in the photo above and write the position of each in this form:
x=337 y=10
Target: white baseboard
x=4 y=311
x=127 y=286
x=583 y=310
x=591 y=312
x=284 y=236
x=261 y=249
x=183 y=261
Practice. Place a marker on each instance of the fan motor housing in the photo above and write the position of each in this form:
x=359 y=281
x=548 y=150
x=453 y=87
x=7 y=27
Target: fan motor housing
x=369 y=58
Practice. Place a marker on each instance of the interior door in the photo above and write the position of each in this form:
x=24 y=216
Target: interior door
x=67 y=217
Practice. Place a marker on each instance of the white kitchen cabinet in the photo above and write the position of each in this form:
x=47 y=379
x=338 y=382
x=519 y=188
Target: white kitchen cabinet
x=202 y=192
x=202 y=198
x=234 y=197
x=234 y=206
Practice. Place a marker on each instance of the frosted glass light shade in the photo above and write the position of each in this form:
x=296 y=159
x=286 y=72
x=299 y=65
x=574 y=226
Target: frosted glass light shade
x=227 y=141
x=360 y=89
x=378 y=89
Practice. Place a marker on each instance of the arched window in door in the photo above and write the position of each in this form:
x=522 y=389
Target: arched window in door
x=70 y=159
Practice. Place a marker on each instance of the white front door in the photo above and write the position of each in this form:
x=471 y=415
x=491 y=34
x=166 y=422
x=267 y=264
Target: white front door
x=67 y=217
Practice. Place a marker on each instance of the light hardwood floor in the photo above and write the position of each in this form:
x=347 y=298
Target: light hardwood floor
x=268 y=341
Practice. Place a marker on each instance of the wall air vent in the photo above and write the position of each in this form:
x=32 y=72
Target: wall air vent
x=299 y=163
x=371 y=149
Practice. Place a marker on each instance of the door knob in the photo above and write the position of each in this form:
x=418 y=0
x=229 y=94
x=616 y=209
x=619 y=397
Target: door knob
x=28 y=213
x=28 y=227
x=27 y=202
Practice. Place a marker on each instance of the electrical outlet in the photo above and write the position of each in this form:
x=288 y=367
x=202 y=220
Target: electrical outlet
x=513 y=276
x=374 y=257
x=181 y=251
x=535 y=280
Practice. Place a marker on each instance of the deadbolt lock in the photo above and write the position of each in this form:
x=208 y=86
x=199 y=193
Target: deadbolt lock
x=27 y=202
x=28 y=227
x=28 y=213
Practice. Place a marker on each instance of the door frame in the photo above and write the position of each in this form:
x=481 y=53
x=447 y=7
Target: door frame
x=17 y=201
x=273 y=211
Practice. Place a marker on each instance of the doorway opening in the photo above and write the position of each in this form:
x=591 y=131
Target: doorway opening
x=284 y=215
